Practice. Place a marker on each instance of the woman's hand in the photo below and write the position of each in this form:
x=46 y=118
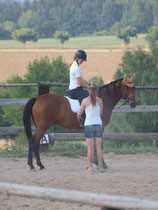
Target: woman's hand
x=82 y=108
x=79 y=117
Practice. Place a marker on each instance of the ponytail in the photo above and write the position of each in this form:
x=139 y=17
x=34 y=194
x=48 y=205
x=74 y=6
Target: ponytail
x=93 y=90
x=75 y=59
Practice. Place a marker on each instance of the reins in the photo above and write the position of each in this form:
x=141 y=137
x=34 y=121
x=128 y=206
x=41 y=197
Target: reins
x=123 y=103
x=127 y=97
x=126 y=100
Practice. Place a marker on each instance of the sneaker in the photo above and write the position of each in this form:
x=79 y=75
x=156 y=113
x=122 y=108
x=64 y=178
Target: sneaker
x=101 y=169
x=90 y=167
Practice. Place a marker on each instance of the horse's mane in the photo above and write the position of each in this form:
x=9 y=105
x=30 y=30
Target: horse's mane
x=111 y=83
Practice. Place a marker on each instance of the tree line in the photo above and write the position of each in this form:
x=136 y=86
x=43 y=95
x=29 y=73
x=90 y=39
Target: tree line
x=79 y=17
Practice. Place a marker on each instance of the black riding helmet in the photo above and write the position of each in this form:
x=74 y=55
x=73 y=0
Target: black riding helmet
x=81 y=54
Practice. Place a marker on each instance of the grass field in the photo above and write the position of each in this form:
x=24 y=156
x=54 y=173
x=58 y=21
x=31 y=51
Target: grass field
x=88 y=42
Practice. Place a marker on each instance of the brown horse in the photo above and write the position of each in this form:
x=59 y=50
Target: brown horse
x=51 y=109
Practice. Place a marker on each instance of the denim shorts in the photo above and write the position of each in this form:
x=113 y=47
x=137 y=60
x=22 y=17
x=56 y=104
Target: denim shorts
x=92 y=131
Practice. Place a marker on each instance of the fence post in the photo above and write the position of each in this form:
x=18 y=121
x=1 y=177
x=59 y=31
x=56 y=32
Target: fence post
x=42 y=89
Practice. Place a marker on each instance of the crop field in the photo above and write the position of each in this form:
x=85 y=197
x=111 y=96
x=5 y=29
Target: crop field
x=102 y=63
x=104 y=55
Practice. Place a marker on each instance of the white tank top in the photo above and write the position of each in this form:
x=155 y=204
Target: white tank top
x=93 y=115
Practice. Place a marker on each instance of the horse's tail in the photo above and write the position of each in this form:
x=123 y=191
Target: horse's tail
x=27 y=117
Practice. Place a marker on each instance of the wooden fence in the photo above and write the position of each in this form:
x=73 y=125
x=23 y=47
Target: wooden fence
x=108 y=202
x=69 y=136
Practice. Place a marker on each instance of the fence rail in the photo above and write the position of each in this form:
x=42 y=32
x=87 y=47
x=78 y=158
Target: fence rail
x=109 y=202
x=66 y=85
x=80 y=136
x=23 y=101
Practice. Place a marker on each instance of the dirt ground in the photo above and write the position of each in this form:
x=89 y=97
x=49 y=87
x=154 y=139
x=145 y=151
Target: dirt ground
x=102 y=63
x=132 y=175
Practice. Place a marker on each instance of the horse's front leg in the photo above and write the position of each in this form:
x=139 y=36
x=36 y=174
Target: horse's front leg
x=30 y=153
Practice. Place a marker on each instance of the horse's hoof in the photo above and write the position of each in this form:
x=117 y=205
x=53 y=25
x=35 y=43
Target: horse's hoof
x=42 y=167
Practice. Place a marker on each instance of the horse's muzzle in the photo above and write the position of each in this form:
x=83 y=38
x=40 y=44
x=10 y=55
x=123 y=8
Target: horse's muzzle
x=132 y=104
x=132 y=101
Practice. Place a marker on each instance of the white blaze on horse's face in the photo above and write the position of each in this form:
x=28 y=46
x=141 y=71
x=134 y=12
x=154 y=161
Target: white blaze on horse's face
x=129 y=88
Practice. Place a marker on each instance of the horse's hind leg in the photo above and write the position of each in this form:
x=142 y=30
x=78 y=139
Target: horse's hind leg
x=38 y=136
x=37 y=155
x=30 y=154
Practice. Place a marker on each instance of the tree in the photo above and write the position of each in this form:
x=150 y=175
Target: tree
x=111 y=13
x=24 y=35
x=62 y=36
x=144 y=64
x=141 y=15
x=46 y=29
x=126 y=33
x=39 y=70
x=152 y=36
x=27 y=20
x=10 y=26
x=4 y=33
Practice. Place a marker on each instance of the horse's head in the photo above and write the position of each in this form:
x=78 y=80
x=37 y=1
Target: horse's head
x=128 y=89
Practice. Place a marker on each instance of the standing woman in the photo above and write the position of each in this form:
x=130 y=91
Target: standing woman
x=93 y=129
x=77 y=83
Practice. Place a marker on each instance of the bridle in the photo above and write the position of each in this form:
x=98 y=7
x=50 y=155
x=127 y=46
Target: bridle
x=125 y=88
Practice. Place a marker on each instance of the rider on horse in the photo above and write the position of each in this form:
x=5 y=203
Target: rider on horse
x=77 y=83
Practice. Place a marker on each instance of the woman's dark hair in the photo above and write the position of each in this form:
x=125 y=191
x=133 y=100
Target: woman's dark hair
x=93 y=92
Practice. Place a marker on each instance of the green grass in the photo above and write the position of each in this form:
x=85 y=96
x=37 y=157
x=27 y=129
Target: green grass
x=79 y=148
x=88 y=42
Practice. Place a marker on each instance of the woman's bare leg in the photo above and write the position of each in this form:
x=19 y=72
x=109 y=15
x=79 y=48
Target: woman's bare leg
x=98 y=144
x=90 y=152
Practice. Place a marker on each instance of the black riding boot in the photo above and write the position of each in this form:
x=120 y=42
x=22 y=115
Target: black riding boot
x=83 y=117
x=95 y=159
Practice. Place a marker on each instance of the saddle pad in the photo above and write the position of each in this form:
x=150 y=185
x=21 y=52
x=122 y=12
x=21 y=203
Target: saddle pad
x=74 y=104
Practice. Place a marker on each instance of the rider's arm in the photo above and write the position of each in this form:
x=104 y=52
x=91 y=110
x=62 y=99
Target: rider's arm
x=82 y=108
x=82 y=82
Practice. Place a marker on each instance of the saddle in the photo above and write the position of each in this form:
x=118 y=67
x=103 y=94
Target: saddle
x=69 y=95
x=74 y=102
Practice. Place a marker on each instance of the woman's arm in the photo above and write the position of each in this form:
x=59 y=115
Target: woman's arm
x=82 y=108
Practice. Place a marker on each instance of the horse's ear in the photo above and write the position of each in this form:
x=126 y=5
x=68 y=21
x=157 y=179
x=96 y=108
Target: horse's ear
x=124 y=78
x=133 y=77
